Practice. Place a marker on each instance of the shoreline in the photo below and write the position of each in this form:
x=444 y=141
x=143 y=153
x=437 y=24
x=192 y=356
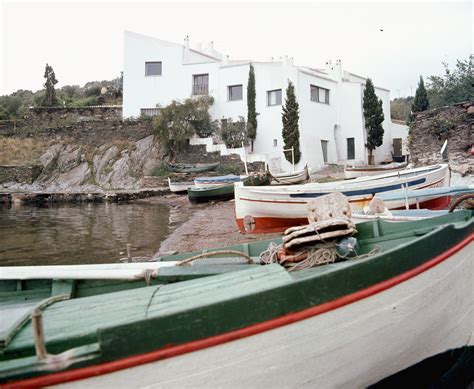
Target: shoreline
x=203 y=226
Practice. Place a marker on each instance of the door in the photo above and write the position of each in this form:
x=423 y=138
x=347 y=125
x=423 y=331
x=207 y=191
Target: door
x=324 y=146
x=397 y=147
x=350 y=148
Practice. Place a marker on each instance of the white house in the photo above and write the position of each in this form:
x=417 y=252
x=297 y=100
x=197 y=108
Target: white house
x=330 y=99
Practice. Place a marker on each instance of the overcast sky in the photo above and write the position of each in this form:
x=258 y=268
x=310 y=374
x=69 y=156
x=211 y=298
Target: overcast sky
x=83 y=41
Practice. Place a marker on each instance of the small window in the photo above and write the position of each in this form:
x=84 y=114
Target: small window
x=152 y=68
x=235 y=92
x=350 y=148
x=200 y=84
x=275 y=142
x=320 y=95
x=274 y=97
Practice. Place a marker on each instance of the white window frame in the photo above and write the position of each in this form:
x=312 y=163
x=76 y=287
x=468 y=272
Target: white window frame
x=153 y=75
x=268 y=97
x=229 y=94
x=327 y=95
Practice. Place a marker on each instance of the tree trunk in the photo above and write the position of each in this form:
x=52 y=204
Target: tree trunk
x=371 y=158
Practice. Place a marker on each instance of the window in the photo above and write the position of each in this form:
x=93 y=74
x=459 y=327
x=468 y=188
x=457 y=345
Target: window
x=200 y=84
x=150 y=112
x=350 y=148
x=275 y=142
x=235 y=92
x=324 y=146
x=321 y=95
x=274 y=97
x=152 y=68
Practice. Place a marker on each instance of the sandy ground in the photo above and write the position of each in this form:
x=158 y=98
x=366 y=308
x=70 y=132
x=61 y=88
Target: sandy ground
x=201 y=226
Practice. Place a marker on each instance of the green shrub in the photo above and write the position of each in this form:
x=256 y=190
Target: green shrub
x=233 y=133
x=179 y=121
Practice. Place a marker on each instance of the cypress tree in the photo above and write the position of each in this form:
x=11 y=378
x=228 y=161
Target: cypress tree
x=50 y=99
x=290 y=117
x=374 y=117
x=421 y=102
x=251 y=111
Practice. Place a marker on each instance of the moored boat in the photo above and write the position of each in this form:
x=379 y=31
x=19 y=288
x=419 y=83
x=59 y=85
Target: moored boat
x=387 y=311
x=273 y=209
x=222 y=187
x=371 y=170
x=213 y=181
x=180 y=187
x=296 y=177
x=192 y=167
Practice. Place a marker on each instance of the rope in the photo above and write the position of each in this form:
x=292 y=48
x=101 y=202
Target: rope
x=459 y=200
x=213 y=253
x=323 y=254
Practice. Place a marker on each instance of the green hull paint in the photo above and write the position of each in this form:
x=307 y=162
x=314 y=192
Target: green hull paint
x=224 y=192
x=125 y=323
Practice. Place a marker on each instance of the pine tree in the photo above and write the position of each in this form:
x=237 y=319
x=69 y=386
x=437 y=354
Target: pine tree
x=421 y=102
x=290 y=117
x=50 y=99
x=374 y=117
x=251 y=111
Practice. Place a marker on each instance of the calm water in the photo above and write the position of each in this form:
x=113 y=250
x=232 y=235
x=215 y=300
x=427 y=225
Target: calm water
x=80 y=234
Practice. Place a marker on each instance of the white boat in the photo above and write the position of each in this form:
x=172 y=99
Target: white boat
x=372 y=170
x=180 y=187
x=296 y=177
x=273 y=209
x=216 y=181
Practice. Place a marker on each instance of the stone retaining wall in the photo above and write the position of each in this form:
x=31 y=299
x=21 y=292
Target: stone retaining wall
x=26 y=174
x=430 y=129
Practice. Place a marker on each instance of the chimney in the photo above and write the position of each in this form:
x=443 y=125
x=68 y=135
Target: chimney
x=226 y=59
x=186 y=49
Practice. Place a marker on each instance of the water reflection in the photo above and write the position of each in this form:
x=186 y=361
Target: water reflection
x=86 y=233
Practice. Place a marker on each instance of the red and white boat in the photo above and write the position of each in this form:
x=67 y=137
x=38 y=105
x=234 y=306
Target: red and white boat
x=273 y=209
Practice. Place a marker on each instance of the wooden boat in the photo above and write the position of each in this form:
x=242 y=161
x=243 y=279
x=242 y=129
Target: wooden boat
x=371 y=170
x=387 y=312
x=192 y=168
x=211 y=182
x=431 y=198
x=216 y=193
x=222 y=188
x=180 y=187
x=272 y=209
x=297 y=177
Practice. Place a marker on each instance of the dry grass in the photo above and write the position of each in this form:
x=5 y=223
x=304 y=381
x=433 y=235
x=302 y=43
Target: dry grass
x=18 y=151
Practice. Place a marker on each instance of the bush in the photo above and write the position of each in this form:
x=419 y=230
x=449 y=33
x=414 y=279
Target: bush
x=178 y=122
x=233 y=133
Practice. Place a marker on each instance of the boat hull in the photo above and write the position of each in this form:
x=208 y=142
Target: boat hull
x=273 y=209
x=353 y=341
x=203 y=195
x=362 y=171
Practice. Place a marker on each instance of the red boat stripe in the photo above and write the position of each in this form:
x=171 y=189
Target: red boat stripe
x=171 y=351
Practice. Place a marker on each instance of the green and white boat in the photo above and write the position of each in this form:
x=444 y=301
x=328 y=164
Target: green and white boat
x=347 y=324
x=211 y=188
